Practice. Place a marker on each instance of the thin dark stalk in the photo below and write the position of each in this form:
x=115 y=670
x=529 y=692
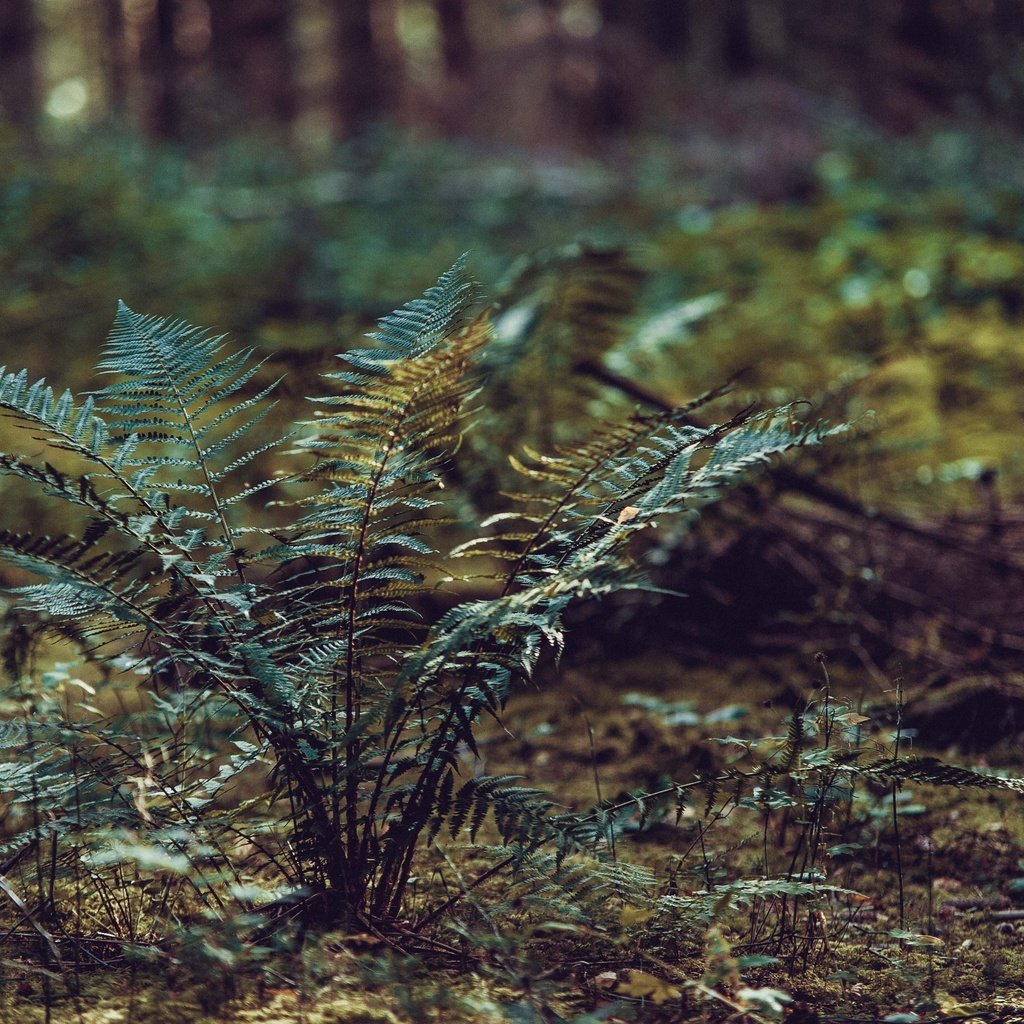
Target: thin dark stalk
x=357 y=847
x=440 y=911
x=895 y=803
x=610 y=830
x=931 y=913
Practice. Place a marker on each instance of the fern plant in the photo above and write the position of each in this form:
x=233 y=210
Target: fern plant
x=559 y=313
x=298 y=722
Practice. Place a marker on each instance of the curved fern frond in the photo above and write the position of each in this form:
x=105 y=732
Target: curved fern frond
x=558 y=314
x=933 y=771
x=84 y=579
x=590 y=499
x=176 y=405
x=380 y=445
x=573 y=481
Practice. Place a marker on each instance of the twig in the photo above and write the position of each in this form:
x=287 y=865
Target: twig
x=27 y=916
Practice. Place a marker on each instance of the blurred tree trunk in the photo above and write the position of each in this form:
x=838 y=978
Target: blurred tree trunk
x=114 y=56
x=770 y=34
x=737 y=41
x=707 y=40
x=717 y=37
x=874 y=45
x=359 y=87
x=18 y=36
x=252 y=57
x=936 y=62
x=1002 y=41
x=456 y=43
x=160 y=64
x=664 y=24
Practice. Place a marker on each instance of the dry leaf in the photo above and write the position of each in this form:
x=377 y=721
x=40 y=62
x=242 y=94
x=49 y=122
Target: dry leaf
x=631 y=916
x=641 y=985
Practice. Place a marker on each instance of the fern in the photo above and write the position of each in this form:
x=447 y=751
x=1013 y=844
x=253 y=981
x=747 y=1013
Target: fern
x=558 y=314
x=294 y=647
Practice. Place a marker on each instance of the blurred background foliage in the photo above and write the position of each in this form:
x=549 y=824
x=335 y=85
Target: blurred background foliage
x=827 y=196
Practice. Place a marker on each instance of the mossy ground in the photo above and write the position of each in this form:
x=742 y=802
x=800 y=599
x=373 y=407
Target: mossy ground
x=958 y=852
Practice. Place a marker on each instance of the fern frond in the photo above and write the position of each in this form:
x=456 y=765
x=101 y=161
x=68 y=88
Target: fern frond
x=175 y=410
x=935 y=772
x=306 y=651
x=380 y=446
x=558 y=312
x=420 y=325
x=576 y=888
x=594 y=499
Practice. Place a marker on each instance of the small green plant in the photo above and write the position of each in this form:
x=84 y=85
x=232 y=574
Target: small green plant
x=825 y=790
x=293 y=722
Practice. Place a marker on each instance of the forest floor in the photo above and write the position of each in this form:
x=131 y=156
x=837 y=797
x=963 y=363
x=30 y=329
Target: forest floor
x=923 y=923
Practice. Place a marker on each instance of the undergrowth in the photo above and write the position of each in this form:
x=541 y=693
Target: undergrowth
x=256 y=727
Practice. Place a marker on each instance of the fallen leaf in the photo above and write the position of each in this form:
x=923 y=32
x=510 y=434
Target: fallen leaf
x=641 y=985
x=630 y=916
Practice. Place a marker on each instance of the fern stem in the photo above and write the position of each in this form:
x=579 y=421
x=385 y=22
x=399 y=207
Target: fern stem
x=400 y=417
x=352 y=707
x=895 y=806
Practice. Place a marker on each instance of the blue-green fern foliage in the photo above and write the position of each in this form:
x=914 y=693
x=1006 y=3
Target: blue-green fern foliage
x=290 y=648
